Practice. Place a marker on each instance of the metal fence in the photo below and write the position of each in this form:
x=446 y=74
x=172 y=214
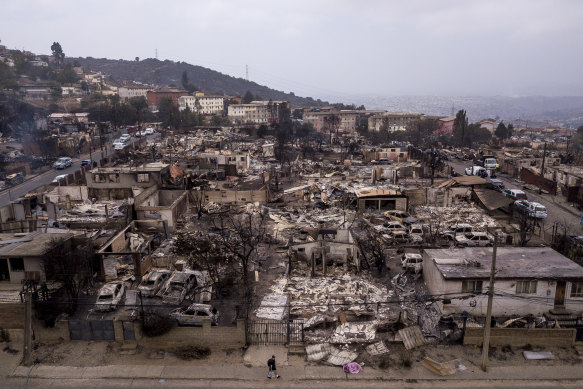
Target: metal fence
x=275 y=332
x=91 y=330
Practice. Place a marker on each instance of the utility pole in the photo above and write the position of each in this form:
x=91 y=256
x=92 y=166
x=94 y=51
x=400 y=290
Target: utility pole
x=486 y=341
x=542 y=170
x=27 y=361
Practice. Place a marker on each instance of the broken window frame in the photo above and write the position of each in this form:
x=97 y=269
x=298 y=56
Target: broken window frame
x=143 y=177
x=16 y=264
x=526 y=287
x=472 y=286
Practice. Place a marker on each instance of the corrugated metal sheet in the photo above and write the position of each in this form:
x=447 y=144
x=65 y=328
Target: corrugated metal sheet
x=492 y=199
x=412 y=337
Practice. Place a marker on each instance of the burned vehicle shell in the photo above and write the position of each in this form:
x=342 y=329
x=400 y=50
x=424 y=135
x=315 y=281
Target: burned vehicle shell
x=178 y=287
x=153 y=282
x=109 y=296
x=194 y=315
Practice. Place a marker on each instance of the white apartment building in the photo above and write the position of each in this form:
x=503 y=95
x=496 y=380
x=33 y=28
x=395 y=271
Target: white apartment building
x=258 y=112
x=205 y=104
x=127 y=92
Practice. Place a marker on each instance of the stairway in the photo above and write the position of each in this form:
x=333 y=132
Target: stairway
x=563 y=317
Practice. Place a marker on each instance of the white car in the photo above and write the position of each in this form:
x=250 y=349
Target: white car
x=110 y=296
x=194 y=314
x=394 y=226
x=148 y=131
x=474 y=239
x=119 y=146
x=412 y=261
x=59 y=178
x=125 y=138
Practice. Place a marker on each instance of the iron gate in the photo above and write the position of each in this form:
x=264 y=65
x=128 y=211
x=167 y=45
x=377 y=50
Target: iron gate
x=275 y=332
x=91 y=330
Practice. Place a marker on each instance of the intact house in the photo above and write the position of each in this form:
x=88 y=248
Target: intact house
x=22 y=255
x=529 y=280
x=116 y=183
x=380 y=200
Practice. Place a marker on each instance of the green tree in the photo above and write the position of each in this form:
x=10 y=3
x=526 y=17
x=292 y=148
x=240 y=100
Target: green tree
x=168 y=113
x=58 y=52
x=501 y=131
x=67 y=75
x=247 y=98
x=186 y=84
x=460 y=128
x=479 y=134
x=7 y=77
x=510 y=130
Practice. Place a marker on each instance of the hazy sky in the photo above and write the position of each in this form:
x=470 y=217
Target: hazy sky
x=325 y=48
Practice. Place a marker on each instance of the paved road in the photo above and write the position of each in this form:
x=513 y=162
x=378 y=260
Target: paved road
x=46 y=178
x=117 y=383
x=556 y=214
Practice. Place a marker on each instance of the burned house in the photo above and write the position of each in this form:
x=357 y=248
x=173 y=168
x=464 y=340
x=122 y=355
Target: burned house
x=108 y=183
x=380 y=200
x=528 y=281
x=160 y=204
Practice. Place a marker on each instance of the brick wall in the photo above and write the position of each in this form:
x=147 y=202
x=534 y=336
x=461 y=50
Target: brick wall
x=543 y=337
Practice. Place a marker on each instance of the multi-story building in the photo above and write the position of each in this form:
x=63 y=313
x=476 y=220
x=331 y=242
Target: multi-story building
x=256 y=112
x=200 y=102
x=127 y=92
x=445 y=126
x=395 y=121
x=155 y=96
x=347 y=120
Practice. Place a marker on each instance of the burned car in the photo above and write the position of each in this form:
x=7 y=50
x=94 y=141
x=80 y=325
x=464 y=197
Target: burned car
x=153 y=282
x=110 y=296
x=178 y=287
x=194 y=315
x=412 y=261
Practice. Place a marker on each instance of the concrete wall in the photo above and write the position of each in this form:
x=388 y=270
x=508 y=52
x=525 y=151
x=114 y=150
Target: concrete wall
x=400 y=203
x=60 y=193
x=236 y=196
x=518 y=337
x=12 y=315
x=168 y=205
x=214 y=337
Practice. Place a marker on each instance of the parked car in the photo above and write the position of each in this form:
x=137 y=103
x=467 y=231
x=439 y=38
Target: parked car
x=153 y=282
x=490 y=163
x=110 y=296
x=394 y=226
x=148 y=131
x=125 y=138
x=532 y=209
x=459 y=229
x=474 y=239
x=400 y=236
x=515 y=194
x=86 y=162
x=399 y=216
x=194 y=315
x=63 y=163
x=59 y=178
x=496 y=184
x=178 y=287
x=475 y=171
x=119 y=146
x=416 y=229
x=412 y=261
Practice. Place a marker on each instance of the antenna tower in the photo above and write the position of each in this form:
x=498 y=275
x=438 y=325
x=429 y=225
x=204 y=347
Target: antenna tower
x=247 y=72
x=156 y=53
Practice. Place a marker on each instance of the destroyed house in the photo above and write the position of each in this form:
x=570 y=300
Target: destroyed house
x=327 y=246
x=166 y=205
x=22 y=255
x=380 y=200
x=114 y=183
x=528 y=281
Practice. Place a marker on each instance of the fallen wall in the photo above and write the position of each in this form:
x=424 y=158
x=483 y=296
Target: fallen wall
x=518 y=337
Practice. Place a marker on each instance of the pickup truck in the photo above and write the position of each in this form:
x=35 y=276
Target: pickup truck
x=475 y=171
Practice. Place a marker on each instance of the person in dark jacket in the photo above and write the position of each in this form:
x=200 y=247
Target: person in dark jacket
x=272 y=369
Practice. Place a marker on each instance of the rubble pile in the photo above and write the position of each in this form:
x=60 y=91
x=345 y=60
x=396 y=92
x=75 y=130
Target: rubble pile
x=456 y=214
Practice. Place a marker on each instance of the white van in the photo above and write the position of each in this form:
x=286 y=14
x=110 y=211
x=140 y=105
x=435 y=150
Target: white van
x=490 y=163
x=537 y=210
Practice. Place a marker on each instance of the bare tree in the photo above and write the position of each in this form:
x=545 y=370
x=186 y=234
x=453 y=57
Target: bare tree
x=371 y=246
x=527 y=226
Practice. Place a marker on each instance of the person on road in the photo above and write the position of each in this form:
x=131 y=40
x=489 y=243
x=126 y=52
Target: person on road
x=272 y=369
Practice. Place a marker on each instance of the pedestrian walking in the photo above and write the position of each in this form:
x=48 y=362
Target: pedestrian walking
x=272 y=369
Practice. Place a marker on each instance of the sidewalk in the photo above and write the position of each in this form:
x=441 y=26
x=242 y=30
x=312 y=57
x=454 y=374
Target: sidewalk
x=306 y=373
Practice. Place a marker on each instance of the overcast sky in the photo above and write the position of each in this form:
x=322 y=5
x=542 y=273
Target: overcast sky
x=328 y=48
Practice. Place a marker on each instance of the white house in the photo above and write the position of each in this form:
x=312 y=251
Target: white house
x=529 y=280
x=127 y=92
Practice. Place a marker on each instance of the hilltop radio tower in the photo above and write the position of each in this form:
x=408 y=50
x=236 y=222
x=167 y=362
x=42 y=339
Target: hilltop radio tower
x=247 y=72
x=156 y=53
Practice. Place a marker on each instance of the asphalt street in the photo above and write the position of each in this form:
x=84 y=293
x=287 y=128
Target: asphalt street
x=556 y=213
